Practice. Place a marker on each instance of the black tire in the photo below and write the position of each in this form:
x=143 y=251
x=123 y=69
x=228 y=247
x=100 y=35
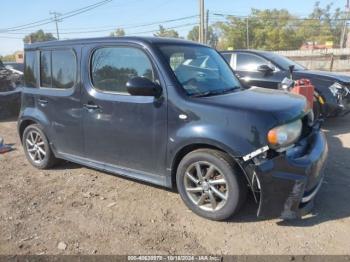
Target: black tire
x=49 y=160
x=235 y=183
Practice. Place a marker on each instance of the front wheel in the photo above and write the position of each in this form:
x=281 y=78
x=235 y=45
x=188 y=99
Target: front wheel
x=210 y=184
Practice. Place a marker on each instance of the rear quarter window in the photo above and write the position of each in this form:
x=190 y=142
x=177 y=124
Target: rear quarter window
x=30 y=69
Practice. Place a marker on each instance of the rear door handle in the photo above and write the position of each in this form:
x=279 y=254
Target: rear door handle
x=91 y=106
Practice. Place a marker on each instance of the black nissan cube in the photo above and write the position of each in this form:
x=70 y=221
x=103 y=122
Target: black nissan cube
x=171 y=112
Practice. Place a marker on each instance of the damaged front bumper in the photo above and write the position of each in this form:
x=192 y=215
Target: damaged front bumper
x=288 y=182
x=341 y=105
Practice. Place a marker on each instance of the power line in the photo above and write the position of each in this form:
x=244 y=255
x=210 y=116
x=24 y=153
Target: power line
x=289 y=23
x=280 y=18
x=63 y=16
x=156 y=30
x=136 y=33
x=161 y=22
x=78 y=11
x=121 y=26
x=10 y=37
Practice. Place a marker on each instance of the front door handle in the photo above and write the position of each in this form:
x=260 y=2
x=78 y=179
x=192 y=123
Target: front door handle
x=91 y=106
x=42 y=102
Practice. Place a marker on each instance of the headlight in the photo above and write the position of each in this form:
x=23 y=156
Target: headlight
x=338 y=89
x=285 y=135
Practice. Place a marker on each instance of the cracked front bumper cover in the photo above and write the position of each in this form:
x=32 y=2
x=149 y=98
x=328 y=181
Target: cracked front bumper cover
x=341 y=107
x=290 y=181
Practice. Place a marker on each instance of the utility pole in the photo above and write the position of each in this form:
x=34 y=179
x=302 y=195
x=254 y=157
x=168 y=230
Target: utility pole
x=206 y=32
x=201 y=21
x=56 y=19
x=345 y=27
x=247 y=25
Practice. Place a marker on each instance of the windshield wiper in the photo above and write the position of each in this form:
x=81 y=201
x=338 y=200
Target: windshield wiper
x=201 y=94
x=229 y=90
x=215 y=92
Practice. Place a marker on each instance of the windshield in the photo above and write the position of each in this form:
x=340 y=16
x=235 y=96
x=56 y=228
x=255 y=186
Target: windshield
x=284 y=62
x=200 y=70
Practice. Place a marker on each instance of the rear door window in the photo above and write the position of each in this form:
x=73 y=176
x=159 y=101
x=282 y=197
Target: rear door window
x=63 y=69
x=58 y=69
x=249 y=62
x=45 y=69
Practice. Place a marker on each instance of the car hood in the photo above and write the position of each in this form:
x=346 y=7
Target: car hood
x=324 y=75
x=281 y=105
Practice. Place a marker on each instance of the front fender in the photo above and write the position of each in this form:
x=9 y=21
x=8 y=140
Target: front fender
x=321 y=86
x=207 y=135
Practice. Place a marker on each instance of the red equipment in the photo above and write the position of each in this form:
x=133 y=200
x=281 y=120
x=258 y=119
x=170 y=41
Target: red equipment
x=305 y=88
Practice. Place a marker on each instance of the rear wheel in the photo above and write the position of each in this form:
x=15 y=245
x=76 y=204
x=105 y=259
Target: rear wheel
x=37 y=148
x=210 y=184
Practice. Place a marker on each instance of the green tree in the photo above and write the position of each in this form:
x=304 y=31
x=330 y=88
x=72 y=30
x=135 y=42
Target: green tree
x=163 y=32
x=38 y=36
x=193 y=35
x=8 y=58
x=267 y=30
x=118 y=32
x=232 y=33
x=273 y=30
x=323 y=24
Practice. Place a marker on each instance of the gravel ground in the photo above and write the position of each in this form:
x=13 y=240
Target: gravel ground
x=76 y=210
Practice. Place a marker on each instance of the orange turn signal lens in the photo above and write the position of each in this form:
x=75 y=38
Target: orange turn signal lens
x=272 y=137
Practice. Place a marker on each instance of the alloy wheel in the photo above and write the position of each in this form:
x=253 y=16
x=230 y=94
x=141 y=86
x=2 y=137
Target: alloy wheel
x=35 y=147
x=206 y=186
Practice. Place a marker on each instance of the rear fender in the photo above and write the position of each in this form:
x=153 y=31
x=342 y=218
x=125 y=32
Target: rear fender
x=34 y=115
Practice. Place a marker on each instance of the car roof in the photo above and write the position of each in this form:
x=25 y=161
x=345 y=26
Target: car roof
x=127 y=39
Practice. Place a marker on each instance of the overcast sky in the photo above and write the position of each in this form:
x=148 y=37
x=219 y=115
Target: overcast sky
x=128 y=14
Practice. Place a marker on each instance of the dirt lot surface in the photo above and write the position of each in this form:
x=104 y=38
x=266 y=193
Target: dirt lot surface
x=76 y=210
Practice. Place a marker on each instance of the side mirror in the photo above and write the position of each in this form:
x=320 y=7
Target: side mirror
x=141 y=86
x=266 y=69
